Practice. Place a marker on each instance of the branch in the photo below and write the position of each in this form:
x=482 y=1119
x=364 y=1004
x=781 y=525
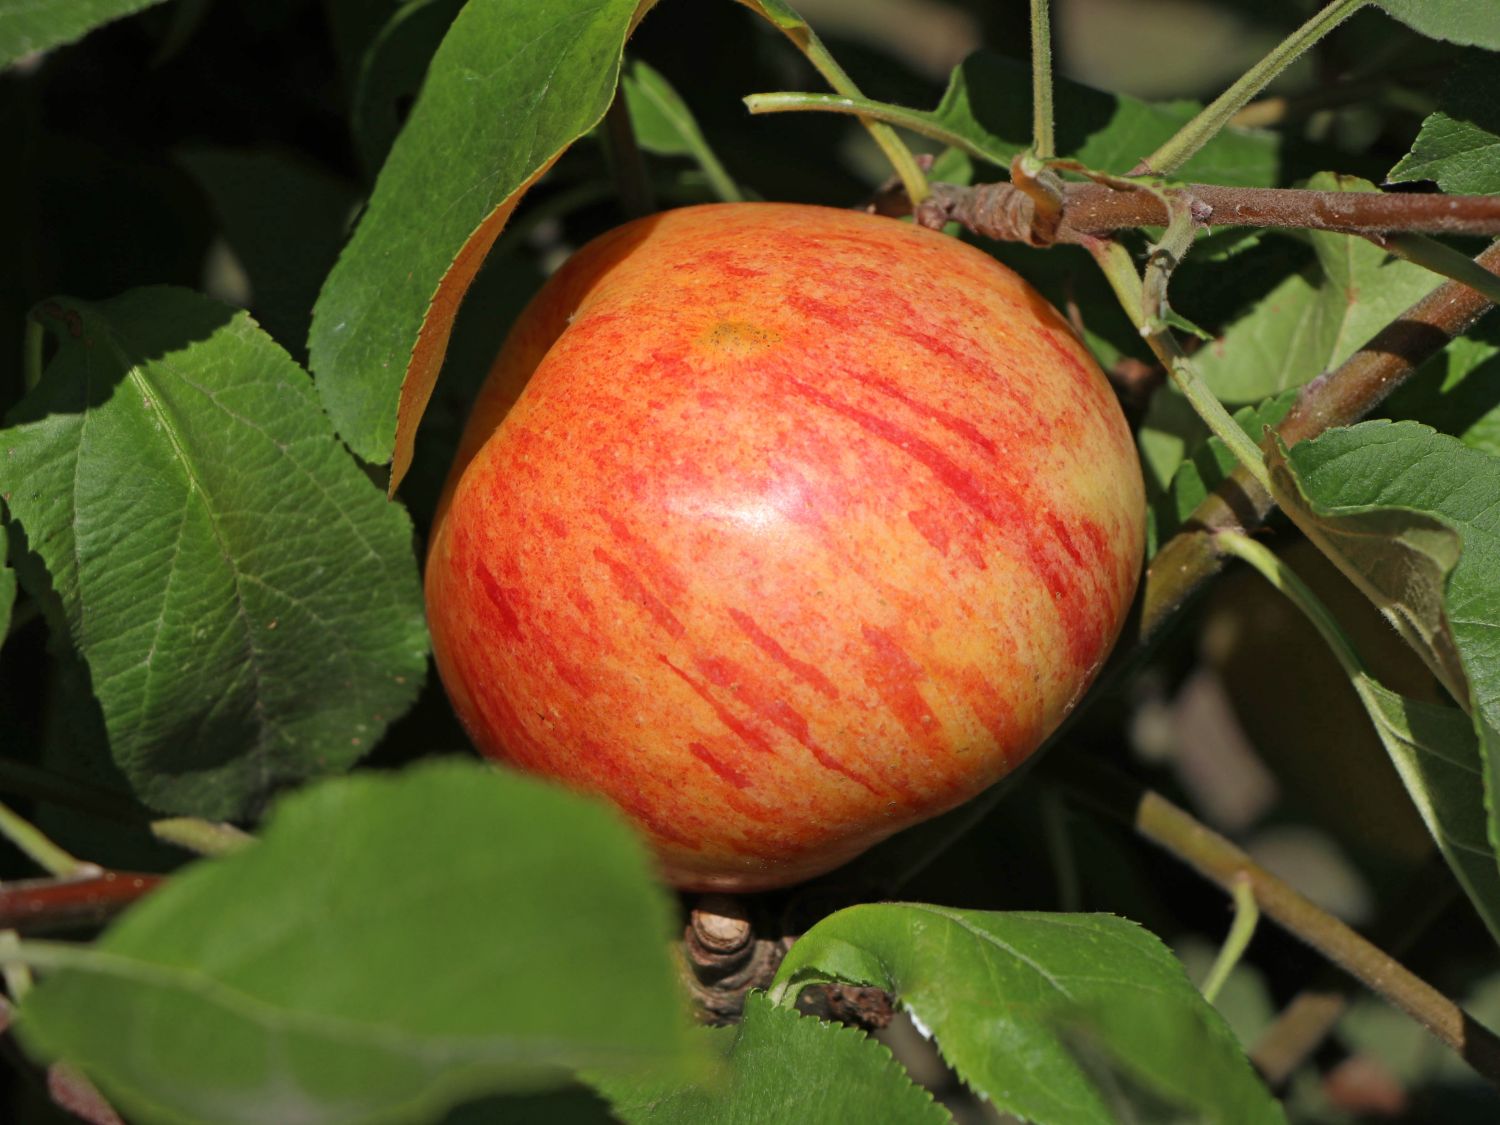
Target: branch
x=1339 y=398
x=1311 y=1016
x=1001 y=211
x=37 y=905
x=1216 y=859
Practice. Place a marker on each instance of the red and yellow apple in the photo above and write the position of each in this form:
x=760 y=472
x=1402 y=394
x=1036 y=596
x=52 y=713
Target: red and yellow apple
x=783 y=528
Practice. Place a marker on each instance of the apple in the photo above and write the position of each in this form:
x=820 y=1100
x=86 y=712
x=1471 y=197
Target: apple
x=782 y=528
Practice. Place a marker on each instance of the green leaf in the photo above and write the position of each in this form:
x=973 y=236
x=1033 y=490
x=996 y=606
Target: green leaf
x=246 y=601
x=391 y=69
x=1313 y=321
x=1459 y=144
x=1410 y=516
x=664 y=125
x=7 y=587
x=508 y=90
x=1185 y=461
x=1434 y=751
x=988 y=102
x=393 y=945
x=35 y=25
x=1470 y=22
x=285 y=222
x=1052 y=1017
x=1457 y=392
x=779 y=1066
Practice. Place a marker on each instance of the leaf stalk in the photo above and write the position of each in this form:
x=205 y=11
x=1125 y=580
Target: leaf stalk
x=1182 y=145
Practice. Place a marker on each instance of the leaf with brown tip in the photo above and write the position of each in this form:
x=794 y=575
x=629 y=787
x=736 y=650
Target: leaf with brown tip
x=509 y=89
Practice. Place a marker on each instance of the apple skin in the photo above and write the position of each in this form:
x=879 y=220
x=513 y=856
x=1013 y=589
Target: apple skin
x=807 y=526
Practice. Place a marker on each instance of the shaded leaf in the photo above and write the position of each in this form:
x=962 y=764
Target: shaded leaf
x=1470 y=22
x=1315 y=320
x=393 y=945
x=390 y=72
x=507 y=91
x=35 y=25
x=285 y=222
x=246 y=601
x=779 y=1066
x=1434 y=751
x=1410 y=515
x=554 y=1107
x=664 y=125
x=988 y=102
x=1053 y=1017
x=7 y=587
x=1459 y=144
x=353 y=25
x=1458 y=392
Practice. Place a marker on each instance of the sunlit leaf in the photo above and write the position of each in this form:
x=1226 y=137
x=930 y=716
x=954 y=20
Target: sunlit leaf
x=1315 y=320
x=35 y=25
x=779 y=1066
x=392 y=945
x=1052 y=1017
x=508 y=90
x=1471 y=22
x=1459 y=145
x=1184 y=462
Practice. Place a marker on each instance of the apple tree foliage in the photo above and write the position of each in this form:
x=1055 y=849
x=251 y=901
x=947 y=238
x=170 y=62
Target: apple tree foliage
x=244 y=239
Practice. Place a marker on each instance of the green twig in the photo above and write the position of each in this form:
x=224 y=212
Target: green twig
x=1214 y=116
x=806 y=40
x=204 y=837
x=48 y=856
x=719 y=179
x=1241 y=930
x=1442 y=259
x=1285 y=579
x=17 y=973
x=1138 y=302
x=1042 y=143
x=1212 y=856
x=914 y=120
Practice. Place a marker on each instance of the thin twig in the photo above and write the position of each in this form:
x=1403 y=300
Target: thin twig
x=806 y=40
x=625 y=159
x=1311 y=1016
x=35 y=844
x=1339 y=398
x=1215 y=858
x=1043 y=146
x=1218 y=113
x=1001 y=212
x=38 y=905
x=206 y=837
x=1241 y=930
